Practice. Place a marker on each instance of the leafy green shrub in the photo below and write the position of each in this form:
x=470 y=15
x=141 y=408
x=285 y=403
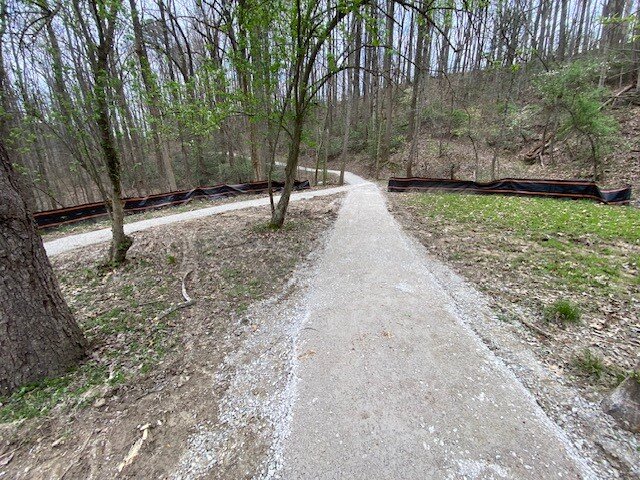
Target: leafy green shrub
x=562 y=312
x=241 y=171
x=358 y=140
x=443 y=119
x=459 y=119
x=573 y=100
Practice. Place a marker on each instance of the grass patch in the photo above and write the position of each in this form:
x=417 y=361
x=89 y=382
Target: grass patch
x=589 y=364
x=592 y=365
x=537 y=216
x=131 y=344
x=576 y=246
x=563 y=312
x=75 y=389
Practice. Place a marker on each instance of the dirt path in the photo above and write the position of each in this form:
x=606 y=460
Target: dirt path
x=64 y=244
x=369 y=374
x=391 y=384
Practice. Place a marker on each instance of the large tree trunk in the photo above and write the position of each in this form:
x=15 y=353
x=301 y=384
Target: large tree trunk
x=38 y=335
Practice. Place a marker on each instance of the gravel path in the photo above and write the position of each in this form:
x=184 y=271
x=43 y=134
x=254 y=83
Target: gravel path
x=64 y=244
x=387 y=381
x=391 y=384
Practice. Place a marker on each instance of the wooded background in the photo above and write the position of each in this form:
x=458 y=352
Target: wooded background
x=161 y=95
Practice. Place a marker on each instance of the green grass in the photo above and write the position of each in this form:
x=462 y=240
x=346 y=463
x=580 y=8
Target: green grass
x=580 y=245
x=589 y=364
x=532 y=251
x=593 y=366
x=145 y=345
x=538 y=216
x=39 y=398
x=562 y=312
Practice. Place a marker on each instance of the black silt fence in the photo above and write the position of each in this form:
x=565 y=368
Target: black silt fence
x=88 y=211
x=571 y=189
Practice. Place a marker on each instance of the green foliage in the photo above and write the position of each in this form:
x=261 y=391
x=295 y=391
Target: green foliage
x=459 y=118
x=562 y=312
x=358 y=140
x=443 y=119
x=592 y=365
x=39 y=398
x=589 y=363
x=240 y=171
x=397 y=141
x=571 y=95
x=465 y=123
x=520 y=119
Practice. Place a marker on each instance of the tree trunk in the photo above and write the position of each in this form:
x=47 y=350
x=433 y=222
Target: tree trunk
x=278 y=215
x=345 y=140
x=163 y=159
x=414 y=121
x=38 y=336
x=120 y=242
x=636 y=49
x=562 y=45
x=385 y=150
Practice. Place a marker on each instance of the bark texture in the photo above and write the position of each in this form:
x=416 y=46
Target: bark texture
x=38 y=334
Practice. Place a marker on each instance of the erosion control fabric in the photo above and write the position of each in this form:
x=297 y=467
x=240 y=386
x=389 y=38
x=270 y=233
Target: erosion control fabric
x=63 y=216
x=573 y=189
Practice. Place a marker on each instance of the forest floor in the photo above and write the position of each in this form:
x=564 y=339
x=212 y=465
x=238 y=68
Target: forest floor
x=442 y=157
x=563 y=275
x=155 y=372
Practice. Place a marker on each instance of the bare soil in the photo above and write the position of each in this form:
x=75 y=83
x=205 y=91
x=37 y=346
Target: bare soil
x=154 y=368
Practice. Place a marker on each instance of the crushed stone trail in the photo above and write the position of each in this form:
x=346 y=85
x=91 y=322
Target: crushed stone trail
x=391 y=384
x=71 y=242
